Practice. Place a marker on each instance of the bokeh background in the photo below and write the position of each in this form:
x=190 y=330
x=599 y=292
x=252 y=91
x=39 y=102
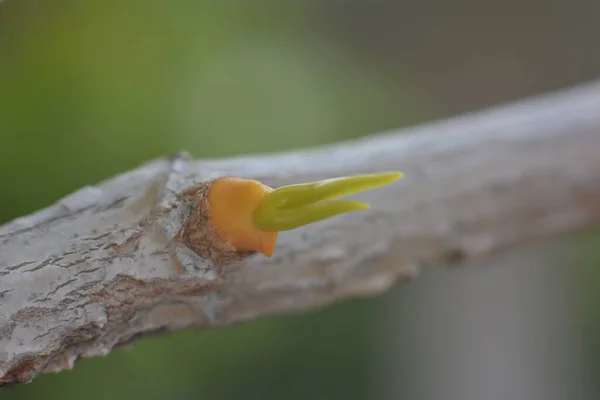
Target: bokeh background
x=89 y=89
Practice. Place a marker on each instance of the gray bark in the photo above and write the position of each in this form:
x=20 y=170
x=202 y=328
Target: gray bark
x=102 y=267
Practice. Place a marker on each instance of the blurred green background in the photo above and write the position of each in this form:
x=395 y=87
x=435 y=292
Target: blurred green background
x=91 y=89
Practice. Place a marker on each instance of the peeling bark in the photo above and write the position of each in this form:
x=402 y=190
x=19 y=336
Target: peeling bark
x=107 y=264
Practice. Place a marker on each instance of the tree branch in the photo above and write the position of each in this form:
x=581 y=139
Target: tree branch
x=103 y=266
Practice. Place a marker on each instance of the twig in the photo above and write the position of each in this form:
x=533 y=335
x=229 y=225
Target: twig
x=104 y=266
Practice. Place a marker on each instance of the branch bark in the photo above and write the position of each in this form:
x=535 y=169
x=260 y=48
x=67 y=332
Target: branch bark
x=103 y=266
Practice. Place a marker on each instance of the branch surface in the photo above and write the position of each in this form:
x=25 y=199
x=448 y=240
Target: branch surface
x=103 y=266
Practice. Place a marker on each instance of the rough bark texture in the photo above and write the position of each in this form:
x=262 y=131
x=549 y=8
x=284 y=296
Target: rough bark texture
x=104 y=266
